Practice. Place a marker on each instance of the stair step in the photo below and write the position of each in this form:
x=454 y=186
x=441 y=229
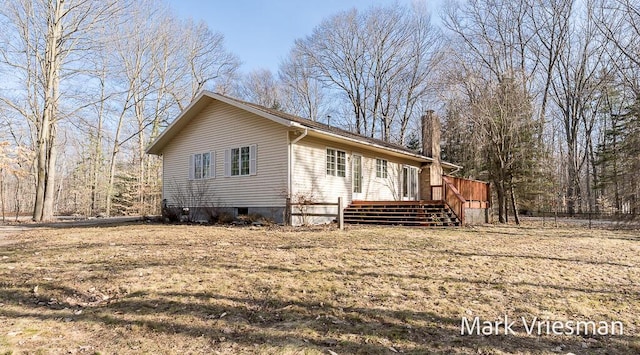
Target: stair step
x=394 y=213
x=408 y=213
x=407 y=223
x=391 y=216
x=402 y=208
x=398 y=210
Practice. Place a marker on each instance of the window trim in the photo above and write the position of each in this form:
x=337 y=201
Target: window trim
x=210 y=172
x=384 y=172
x=251 y=161
x=357 y=181
x=334 y=170
x=242 y=165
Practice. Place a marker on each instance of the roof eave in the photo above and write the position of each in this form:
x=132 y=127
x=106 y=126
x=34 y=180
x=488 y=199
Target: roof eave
x=455 y=167
x=255 y=111
x=413 y=156
x=159 y=143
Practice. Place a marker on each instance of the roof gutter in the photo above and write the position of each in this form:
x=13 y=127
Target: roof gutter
x=456 y=168
x=304 y=134
x=415 y=156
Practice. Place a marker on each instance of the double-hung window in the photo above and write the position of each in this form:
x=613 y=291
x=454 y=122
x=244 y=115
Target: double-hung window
x=336 y=162
x=202 y=166
x=381 y=168
x=240 y=161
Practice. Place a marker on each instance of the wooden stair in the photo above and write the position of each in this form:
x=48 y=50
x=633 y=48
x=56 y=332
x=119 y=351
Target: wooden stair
x=406 y=213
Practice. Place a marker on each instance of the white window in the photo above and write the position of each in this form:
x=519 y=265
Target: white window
x=240 y=161
x=381 y=168
x=202 y=166
x=357 y=173
x=336 y=162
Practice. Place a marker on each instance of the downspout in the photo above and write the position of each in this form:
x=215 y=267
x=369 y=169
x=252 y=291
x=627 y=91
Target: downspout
x=304 y=134
x=458 y=168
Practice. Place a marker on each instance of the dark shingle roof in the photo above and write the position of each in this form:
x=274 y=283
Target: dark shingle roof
x=198 y=104
x=325 y=128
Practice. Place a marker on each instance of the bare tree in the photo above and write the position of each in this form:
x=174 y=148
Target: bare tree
x=336 y=52
x=204 y=60
x=260 y=87
x=302 y=93
x=51 y=38
x=619 y=22
x=107 y=73
x=618 y=155
x=378 y=60
x=164 y=64
x=492 y=70
x=549 y=21
x=579 y=77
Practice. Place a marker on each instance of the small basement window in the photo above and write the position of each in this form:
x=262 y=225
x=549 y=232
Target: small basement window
x=242 y=211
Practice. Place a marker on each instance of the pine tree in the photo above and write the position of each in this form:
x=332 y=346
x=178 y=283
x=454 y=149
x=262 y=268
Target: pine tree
x=124 y=199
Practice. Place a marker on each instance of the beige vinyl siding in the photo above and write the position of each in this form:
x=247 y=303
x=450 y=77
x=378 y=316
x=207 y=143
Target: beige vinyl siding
x=310 y=177
x=217 y=127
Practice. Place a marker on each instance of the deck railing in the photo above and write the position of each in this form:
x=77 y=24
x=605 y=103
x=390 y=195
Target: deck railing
x=301 y=210
x=453 y=198
x=476 y=193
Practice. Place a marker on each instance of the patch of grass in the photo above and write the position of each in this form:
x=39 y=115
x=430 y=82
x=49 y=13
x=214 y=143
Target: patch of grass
x=200 y=289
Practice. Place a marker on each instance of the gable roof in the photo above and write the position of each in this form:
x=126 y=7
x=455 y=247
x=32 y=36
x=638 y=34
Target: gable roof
x=288 y=120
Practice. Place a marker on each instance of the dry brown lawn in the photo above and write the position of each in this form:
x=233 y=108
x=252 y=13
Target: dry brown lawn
x=154 y=289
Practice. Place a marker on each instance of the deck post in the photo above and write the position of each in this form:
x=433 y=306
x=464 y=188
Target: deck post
x=340 y=214
x=287 y=212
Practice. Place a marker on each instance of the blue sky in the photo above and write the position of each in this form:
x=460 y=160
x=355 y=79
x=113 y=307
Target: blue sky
x=261 y=33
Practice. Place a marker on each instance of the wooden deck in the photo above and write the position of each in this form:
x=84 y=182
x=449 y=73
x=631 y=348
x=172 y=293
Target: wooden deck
x=407 y=213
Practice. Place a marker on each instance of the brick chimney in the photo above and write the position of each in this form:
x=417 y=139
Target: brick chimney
x=431 y=135
x=431 y=174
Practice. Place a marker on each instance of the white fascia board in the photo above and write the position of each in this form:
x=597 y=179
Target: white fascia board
x=418 y=157
x=169 y=128
x=248 y=108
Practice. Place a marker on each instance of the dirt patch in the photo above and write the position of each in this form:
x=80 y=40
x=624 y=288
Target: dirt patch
x=195 y=289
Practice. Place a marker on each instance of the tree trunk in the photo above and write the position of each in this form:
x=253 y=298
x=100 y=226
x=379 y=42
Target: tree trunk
x=505 y=201
x=49 y=193
x=97 y=150
x=112 y=173
x=2 y=194
x=501 y=204
x=43 y=208
x=17 y=197
x=112 y=163
x=41 y=169
x=141 y=156
x=514 y=206
x=572 y=176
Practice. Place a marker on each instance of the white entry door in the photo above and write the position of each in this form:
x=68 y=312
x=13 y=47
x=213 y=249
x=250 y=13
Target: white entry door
x=409 y=183
x=356 y=168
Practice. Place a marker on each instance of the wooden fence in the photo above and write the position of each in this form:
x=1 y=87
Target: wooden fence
x=453 y=198
x=461 y=193
x=339 y=215
x=476 y=193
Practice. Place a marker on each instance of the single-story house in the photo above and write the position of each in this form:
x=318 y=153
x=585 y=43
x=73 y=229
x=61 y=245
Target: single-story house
x=229 y=154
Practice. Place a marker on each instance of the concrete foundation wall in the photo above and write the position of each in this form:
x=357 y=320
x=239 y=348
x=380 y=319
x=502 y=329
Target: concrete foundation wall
x=473 y=216
x=275 y=214
x=202 y=214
